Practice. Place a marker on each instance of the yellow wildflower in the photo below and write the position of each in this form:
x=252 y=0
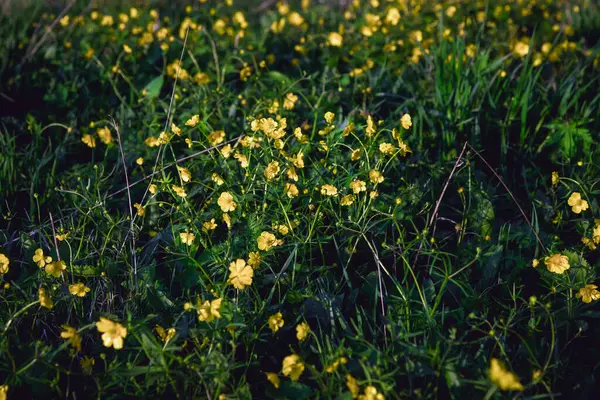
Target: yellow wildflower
x=272 y=170
x=165 y=336
x=504 y=379
x=209 y=310
x=55 y=268
x=329 y=190
x=557 y=263
x=347 y=200
x=588 y=293
x=335 y=39
x=105 y=135
x=45 y=300
x=113 y=333
x=273 y=378
x=39 y=258
x=71 y=335
x=356 y=154
x=352 y=385
x=254 y=259
x=266 y=241
x=175 y=129
x=193 y=121
x=375 y=176
x=226 y=202
x=370 y=127
x=141 y=211
x=291 y=190
x=87 y=364
x=240 y=274
x=4 y=391
x=216 y=137
x=179 y=191
x=292 y=367
x=406 y=121
x=290 y=101
x=302 y=331
x=329 y=117
x=79 y=289
x=185 y=174
x=89 y=140
x=371 y=393
x=209 y=225
x=577 y=203
x=276 y=322
x=187 y=238
x=358 y=186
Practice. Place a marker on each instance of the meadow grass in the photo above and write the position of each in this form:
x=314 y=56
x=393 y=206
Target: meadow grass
x=223 y=199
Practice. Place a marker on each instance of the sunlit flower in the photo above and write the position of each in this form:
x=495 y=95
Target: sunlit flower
x=329 y=190
x=266 y=241
x=152 y=188
x=555 y=178
x=276 y=322
x=216 y=137
x=289 y=101
x=193 y=121
x=302 y=331
x=375 y=176
x=273 y=378
x=226 y=202
x=71 y=335
x=370 y=130
x=577 y=203
x=254 y=259
x=406 y=121
x=272 y=170
x=4 y=391
x=165 y=335
x=209 y=225
x=179 y=191
x=79 y=289
x=387 y=148
x=105 y=135
x=352 y=386
x=292 y=367
x=356 y=154
x=588 y=293
x=371 y=393
x=89 y=140
x=187 y=238
x=240 y=274
x=185 y=174
x=347 y=200
x=335 y=39
x=209 y=310
x=39 y=258
x=557 y=263
x=291 y=190
x=113 y=333
x=504 y=379
x=45 y=300
x=55 y=268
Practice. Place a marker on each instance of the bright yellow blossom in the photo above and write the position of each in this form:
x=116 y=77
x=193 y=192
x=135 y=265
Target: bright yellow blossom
x=240 y=274
x=504 y=379
x=113 y=333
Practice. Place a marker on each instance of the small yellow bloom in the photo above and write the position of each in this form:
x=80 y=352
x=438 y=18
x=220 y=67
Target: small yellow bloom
x=216 y=137
x=39 y=258
x=89 y=140
x=187 y=238
x=352 y=385
x=356 y=154
x=165 y=336
x=193 y=121
x=577 y=203
x=185 y=174
x=209 y=225
x=105 y=135
x=226 y=202
x=371 y=393
x=588 y=293
x=266 y=241
x=45 y=300
x=276 y=322
x=375 y=176
x=557 y=263
x=71 y=335
x=141 y=211
x=387 y=148
x=240 y=274
x=290 y=101
x=358 y=186
x=555 y=178
x=55 y=268
x=302 y=331
x=406 y=121
x=329 y=117
x=175 y=129
x=209 y=310
x=153 y=188
x=291 y=190
x=254 y=259
x=139 y=161
x=273 y=378
x=79 y=289
x=370 y=131
x=179 y=191
x=272 y=170
x=292 y=367
x=4 y=391
x=329 y=190
x=113 y=333
x=535 y=263
x=504 y=379
x=335 y=39
x=347 y=200
x=87 y=365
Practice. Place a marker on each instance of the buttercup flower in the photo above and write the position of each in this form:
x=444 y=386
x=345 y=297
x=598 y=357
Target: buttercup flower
x=216 y=138
x=289 y=101
x=209 y=225
x=555 y=178
x=179 y=191
x=55 y=268
x=240 y=274
x=4 y=264
x=254 y=259
x=226 y=202
x=504 y=379
x=165 y=335
x=406 y=121
x=371 y=393
x=209 y=310
x=588 y=293
x=335 y=39
x=292 y=367
x=79 y=289
x=185 y=174
x=89 y=140
x=329 y=190
x=187 y=238
x=40 y=259
x=276 y=321
x=113 y=333
x=105 y=135
x=272 y=170
x=302 y=331
x=577 y=203
x=375 y=176
x=352 y=386
x=358 y=186
x=557 y=263
x=291 y=190
x=347 y=200
x=193 y=121
x=71 y=335
x=45 y=300
x=266 y=241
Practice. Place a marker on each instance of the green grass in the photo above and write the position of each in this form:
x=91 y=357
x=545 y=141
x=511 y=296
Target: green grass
x=412 y=286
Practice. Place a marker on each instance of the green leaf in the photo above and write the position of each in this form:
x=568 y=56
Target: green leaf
x=154 y=86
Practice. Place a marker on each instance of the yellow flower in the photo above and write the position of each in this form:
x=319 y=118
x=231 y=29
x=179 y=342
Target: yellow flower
x=504 y=379
x=245 y=73
x=577 y=203
x=295 y=19
x=71 y=334
x=45 y=300
x=272 y=170
x=387 y=148
x=79 y=289
x=216 y=137
x=240 y=274
x=227 y=220
x=187 y=238
x=105 y=135
x=193 y=121
x=167 y=335
x=209 y=310
x=352 y=385
x=588 y=293
x=113 y=333
x=273 y=378
x=335 y=39
x=141 y=211
x=347 y=200
x=370 y=127
x=375 y=176
x=329 y=117
x=139 y=161
x=393 y=16
x=254 y=259
x=4 y=391
x=557 y=263
x=266 y=241
x=329 y=190
x=89 y=140
x=209 y=225
x=406 y=121
x=152 y=141
x=153 y=188
x=290 y=101
x=185 y=174
x=292 y=367
x=226 y=202
x=291 y=190
x=371 y=393
x=175 y=129
x=302 y=331
x=55 y=268
x=242 y=160
x=555 y=178
x=358 y=186
x=521 y=49
x=276 y=321
x=179 y=191
x=535 y=262
x=39 y=258
x=356 y=154
x=87 y=364
x=226 y=151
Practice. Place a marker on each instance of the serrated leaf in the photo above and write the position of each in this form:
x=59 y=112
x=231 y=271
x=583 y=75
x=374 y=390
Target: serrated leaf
x=154 y=86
